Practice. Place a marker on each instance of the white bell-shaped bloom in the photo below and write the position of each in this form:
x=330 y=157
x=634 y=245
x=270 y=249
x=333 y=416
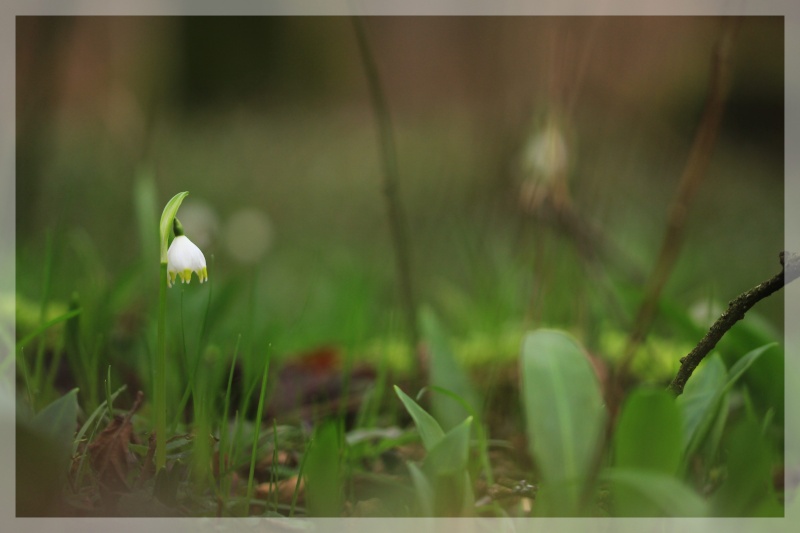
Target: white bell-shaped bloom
x=183 y=258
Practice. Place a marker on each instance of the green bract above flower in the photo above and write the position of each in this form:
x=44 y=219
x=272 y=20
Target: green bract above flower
x=183 y=258
x=167 y=219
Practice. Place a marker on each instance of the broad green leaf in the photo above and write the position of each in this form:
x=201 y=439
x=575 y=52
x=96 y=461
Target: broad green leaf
x=429 y=429
x=423 y=489
x=702 y=414
x=765 y=379
x=445 y=467
x=708 y=449
x=649 y=433
x=748 y=481
x=744 y=363
x=323 y=472
x=165 y=225
x=447 y=373
x=450 y=454
x=564 y=413
x=58 y=420
x=468 y=496
x=453 y=494
x=642 y=493
x=43 y=452
x=699 y=394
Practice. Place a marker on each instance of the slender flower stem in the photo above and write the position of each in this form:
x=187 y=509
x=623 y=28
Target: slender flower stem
x=160 y=377
x=165 y=226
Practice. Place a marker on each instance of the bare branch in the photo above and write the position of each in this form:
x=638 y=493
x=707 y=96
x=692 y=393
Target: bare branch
x=735 y=312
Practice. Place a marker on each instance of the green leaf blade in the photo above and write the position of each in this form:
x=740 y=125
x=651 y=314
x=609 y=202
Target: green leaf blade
x=446 y=373
x=564 y=414
x=649 y=433
x=429 y=429
x=450 y=454
x=167 y=216
x=324 y=472
x=641 y=493
x=703 y=396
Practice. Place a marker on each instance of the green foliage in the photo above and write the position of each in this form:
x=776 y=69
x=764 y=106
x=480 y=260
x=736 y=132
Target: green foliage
x=44 y=448
x=653 y=444
x=56 y=423
x=654 y=360
x=647 y=454
x=259 y=415
x=650 y=493
x=447 y=373
x=698 y=399
x=564 y=416
x=648 y=433
x=323 y=470
x=747 y=487
x=489 y=266
x=704 y=395
x=443 y=484
x=429 y=429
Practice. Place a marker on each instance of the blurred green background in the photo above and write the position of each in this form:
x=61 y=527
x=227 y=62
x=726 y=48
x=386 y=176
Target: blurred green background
x=267 y=122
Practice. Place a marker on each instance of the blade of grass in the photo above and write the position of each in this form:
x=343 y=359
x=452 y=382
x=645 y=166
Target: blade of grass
x=47 y=325
x=48 y=270
x=223 y=431
x=204 y=325
x=368 y=414
x=447 y=373
x=300 y=471
x=109 y=400
x=90 y=423
x=256 y=432
x=23 y=365
x=429 y=429
x=273 y=475
x=192 y=367
x=480 y=433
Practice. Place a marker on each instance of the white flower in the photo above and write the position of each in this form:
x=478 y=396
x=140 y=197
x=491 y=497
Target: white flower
x=183 y=258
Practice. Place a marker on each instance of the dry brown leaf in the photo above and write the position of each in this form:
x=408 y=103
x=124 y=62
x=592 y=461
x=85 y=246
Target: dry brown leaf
x=109 y=454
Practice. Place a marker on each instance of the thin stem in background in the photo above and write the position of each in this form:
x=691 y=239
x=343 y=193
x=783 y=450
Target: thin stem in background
x=693 y=174
x=396 y=215
x=160 y=374
x=223 y=429
x=735 y=312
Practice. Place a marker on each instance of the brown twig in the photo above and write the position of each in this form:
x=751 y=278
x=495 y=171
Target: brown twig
x=693 y=173
x=397 y=220
x=735 y=312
